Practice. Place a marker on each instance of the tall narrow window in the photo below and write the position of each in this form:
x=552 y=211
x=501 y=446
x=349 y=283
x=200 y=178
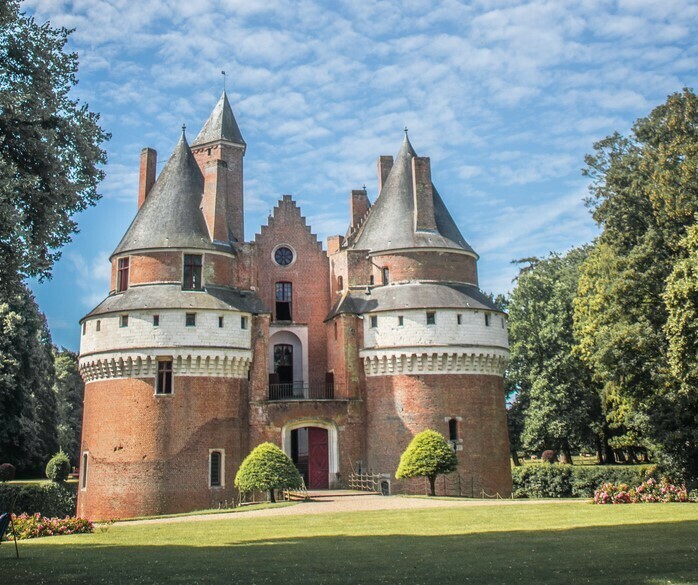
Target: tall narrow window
x=220 y=322
x=431 y=318
x=99 y=325
x=487 y=319
x=400 y=321
x=374 y=321
x=386 y=275
x=284 y=294
x=340 y=283
x=122 y=275
x=192 y=272
x=459 y=319
x=371 y=280
x=453 y=430
x=84 y=328
x=216 y=468
x=83 y=471
x=164 y=382
x=243 y=322
x=335 y=331
x=156 y=320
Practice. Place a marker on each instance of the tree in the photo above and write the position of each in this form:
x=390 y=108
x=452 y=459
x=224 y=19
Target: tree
x=556 y=396
x=70 y=390
x=644 y=196
x=427 y=455
x=49 y=147
x=267 y=468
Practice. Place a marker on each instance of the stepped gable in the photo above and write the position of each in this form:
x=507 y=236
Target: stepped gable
x=390 y=224
x=286 y=207
x=221 y=125
x=171 y=215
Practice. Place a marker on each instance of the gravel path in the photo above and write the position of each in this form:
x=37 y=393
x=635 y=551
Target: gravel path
x=351 y=503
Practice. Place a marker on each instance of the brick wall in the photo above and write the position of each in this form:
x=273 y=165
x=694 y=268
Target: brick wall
x=429 y=265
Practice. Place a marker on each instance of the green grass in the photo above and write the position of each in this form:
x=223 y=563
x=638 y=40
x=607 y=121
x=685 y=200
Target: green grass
x=531 y=544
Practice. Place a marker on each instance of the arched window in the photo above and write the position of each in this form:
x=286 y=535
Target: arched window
x=216 y=468
x=386 y=275
x=340 y=283
x=453 y=430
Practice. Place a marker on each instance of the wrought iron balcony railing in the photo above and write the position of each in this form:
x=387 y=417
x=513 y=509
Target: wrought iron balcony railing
x=301 y=391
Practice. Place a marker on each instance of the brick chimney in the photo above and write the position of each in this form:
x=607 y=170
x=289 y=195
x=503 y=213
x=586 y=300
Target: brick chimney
x=385 y=163
x=334 y=243
x=146 y=177
x=359 y=206
x=424 y=219
x=214 y=201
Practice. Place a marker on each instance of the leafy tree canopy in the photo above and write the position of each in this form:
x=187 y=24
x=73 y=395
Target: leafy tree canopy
x=427 y=455
x=49 y=146
x=267 y=468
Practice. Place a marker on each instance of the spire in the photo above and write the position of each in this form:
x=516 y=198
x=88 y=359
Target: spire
x=221 y=125
x=171 y=216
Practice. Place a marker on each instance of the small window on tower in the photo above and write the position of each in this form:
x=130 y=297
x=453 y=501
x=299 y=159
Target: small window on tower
x=123 y=321
x=340 y=283
x=83 y=470
x=453 y=430
x=335 y=330
x=164 y=381
x=459 y=319
x=371 y=280
x=216 y=469
x=400 y=321
x=487 y=319
x=220 y=322
x=191 y=277
x=386 y=275
x=156 y=320
x=374 y=321
x=243 y=322
x=99 y=325
x=431 y=317
x=122 y=275
x=190 y=320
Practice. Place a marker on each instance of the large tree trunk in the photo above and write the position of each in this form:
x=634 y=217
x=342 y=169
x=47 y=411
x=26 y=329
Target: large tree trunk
x=432 y=485
x=272 y=497
x=609 y=455
x=599 y=451
x=566 y=453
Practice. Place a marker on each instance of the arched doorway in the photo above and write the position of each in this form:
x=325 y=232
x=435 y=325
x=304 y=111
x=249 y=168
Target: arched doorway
x=312 y=445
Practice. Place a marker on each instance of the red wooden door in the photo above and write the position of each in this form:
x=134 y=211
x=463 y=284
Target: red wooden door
x=318 y=459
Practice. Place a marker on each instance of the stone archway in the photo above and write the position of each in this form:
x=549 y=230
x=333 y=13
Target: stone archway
x=313 y=445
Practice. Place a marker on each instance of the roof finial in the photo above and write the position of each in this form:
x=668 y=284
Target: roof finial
x=364 y=187
x=405 y=129
x=223 y=74
x=184 y=128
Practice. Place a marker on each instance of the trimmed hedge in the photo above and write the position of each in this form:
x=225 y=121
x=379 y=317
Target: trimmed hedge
x=573 y=481
x=48 y=499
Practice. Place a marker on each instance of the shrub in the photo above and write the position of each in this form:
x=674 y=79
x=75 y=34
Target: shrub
x=267 y=468
x=548 y=456
x=58 y=469
x=7 y=472
x=427 y=455
x=650 y=491
x=36 y=525
x=48 y=499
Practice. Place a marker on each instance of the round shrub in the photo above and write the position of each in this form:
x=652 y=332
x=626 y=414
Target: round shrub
x=548 y=456
x=267 y=468
x=427 y=455
x=58 y=468
x=7 y=472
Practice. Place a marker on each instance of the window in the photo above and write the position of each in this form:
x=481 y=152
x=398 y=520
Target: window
x=431 y=318
x=84 y=328
x=164 y=381
x=459 y=319
x=340 y=283
x=243 y=322
x=83 y=471
x=122 y=275
x=453 y=430
x=216 y=468
x=386 y=275
x=371 y=280
x=99 y=325
x=284 y=293
x=335 y=330
x=123 y=321
x=190 y=320
x=192 y=272
x=220 y=322
x=374 y=321
x=156 y=320
x=283 y=256
x=400 y=321
x=487 y=319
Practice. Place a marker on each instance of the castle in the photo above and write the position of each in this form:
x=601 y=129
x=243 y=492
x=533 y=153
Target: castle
x=208 y=345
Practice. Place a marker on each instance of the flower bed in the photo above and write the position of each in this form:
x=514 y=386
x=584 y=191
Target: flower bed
x=36 y=525
x=650 y=491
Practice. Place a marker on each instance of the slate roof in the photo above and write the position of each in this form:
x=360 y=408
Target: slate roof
x=171 y=215
x=221 y=125
x=171 y=296
x=413 y=296
x=390 y=223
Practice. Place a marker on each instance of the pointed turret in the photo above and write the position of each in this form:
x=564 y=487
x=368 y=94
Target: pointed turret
x=409 y=213
x=171 y=216
x=221 y=125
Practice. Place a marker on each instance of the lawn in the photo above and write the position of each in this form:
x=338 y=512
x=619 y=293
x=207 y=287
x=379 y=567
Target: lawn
x=531 y=544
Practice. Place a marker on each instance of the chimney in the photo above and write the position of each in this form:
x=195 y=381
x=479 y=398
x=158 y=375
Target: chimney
x=146 y=177
x=424 y=219
x=385 y=163
x=213 y=203
x=334 y=243
x=359 y=207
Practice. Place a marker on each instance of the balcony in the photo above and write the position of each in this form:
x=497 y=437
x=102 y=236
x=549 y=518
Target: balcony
x=301 y=391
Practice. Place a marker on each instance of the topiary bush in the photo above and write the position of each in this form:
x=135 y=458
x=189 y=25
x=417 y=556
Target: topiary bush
x=548 y=456
x=49 y=499
x=267 y=468
x=58 y=469
x=427 y=455
x=7 y=472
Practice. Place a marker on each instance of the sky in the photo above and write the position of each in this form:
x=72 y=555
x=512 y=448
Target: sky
x=505 y=97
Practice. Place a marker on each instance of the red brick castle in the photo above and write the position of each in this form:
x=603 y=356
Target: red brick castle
x=208 y=345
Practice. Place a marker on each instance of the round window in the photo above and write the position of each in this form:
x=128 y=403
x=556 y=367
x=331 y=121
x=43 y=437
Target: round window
x=283 y=256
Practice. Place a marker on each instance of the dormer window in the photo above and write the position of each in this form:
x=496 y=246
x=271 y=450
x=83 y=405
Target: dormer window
x=122 y=274
x=191 y=277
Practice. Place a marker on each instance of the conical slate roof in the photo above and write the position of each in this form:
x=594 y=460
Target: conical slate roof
x=221 y=125
x=171 y=215
x=390 y=224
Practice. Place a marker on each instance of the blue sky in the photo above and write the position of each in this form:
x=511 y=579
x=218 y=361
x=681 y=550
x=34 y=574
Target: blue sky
x=505 y=97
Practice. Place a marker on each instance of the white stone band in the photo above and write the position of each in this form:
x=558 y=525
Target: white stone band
x=435 y=361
